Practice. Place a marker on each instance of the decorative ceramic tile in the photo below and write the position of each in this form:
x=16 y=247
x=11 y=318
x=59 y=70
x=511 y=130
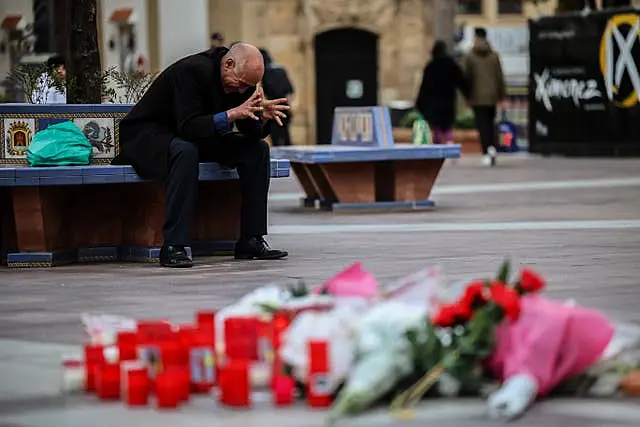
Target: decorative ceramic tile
x=16 y=137
x=44 y=123
x=101 y=133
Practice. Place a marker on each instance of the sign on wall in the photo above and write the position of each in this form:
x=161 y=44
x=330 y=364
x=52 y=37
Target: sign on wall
x=584 y=91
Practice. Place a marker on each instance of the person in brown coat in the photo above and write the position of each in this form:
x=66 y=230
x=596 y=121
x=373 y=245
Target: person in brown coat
x=488 y=90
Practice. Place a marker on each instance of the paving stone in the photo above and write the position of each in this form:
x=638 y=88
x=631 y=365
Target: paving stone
x=598 y=267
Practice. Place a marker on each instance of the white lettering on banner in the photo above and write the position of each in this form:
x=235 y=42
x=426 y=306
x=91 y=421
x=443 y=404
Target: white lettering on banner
x=548 y=88
x=613 y=72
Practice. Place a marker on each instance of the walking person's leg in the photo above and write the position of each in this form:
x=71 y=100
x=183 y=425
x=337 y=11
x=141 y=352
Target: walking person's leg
x=485 y=123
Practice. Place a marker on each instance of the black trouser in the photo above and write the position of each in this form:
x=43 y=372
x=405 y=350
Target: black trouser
x=485 y=116
x=251 y=158
x=280 y=135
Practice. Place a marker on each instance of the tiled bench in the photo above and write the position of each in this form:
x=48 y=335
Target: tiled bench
x=60 y=215
x=52 y=216
x=366 y=171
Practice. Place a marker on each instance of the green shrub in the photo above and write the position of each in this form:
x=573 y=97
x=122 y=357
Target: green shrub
x=465 y=121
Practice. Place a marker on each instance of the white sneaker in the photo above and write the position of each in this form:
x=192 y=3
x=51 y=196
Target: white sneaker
x=492 y=153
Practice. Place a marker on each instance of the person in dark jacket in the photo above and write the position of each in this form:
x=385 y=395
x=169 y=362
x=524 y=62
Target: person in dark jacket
x=437 y=96
x=276 y=84
x=187 y=116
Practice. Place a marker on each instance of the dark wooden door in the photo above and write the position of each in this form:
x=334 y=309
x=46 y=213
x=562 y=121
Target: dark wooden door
x=346 y=74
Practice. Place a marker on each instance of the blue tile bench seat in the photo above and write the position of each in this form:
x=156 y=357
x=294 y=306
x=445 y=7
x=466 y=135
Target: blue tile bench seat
x=58 y=215
x=343 y=177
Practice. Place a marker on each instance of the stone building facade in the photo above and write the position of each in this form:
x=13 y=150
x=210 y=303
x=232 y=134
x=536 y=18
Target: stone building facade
x=402 y=30
x=337 y=52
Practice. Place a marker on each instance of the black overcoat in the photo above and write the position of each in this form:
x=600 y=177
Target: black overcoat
x=181 y=102
x=437 y=96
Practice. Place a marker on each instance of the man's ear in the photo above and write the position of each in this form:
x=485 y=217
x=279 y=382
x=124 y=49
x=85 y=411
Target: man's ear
x=229 y=63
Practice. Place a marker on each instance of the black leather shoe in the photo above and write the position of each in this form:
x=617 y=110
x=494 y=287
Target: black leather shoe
x=175 y=257
x=257 y=248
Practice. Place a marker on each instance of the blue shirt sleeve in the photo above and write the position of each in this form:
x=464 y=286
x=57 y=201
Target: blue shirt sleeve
x=221 y=123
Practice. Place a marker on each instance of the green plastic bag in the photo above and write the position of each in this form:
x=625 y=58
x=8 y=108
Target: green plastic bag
x=61 y=144
x=421 y=131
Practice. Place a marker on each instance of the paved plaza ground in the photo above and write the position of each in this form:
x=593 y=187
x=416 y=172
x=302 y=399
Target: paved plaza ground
x=577 y=221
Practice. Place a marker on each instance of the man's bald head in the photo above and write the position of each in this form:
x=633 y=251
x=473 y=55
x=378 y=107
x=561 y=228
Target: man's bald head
x=242 y=68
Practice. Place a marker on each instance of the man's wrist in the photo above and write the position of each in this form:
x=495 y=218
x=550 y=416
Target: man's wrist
x=232 y=115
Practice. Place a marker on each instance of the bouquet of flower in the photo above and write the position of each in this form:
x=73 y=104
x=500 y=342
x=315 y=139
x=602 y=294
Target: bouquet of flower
x=466 y=332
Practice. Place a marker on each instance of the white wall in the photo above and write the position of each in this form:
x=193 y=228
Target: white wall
x=111 y=58
x=13 y=7
x=183 y=29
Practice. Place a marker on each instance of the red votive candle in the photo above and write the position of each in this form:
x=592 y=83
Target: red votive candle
x=283 y=390
x=241 y=338
x=168 y=390
x=136 y=384
x=93 y=357
x=127 y=342
x=182 y=372
x=108 y=381
x=318 y=394
x=234 y=384
x=170 y=352
x=185 y=336
x=202 y=362
x=206 y=319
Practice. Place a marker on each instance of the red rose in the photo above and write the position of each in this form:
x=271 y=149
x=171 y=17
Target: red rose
x=464 y=313
x=446 y=316
x=530 y=281
x=452 y=315
x=506 y=298
x=475 y=294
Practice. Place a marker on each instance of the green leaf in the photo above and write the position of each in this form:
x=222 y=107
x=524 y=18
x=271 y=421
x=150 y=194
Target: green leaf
x=299 y=290
x=267 y=308
x=503 y=273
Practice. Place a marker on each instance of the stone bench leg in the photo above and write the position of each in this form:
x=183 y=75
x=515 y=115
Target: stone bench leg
x=8 y=242
x=303 y=174
x=371 y=185
x=42 y=216
x=214 y=230
x=64 y=224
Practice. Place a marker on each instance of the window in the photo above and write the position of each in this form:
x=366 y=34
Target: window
x=510 y=7
x=470 y=7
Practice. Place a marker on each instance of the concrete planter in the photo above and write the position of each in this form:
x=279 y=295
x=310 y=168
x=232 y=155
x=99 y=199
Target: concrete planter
x=469 y=139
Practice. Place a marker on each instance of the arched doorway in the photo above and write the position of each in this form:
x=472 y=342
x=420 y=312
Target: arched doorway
x=346 y=74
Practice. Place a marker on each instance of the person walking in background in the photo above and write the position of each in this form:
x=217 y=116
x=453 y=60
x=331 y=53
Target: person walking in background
x=488 y=90
x=276 y=85
x=437 y=96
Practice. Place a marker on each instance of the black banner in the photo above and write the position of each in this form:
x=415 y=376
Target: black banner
x=584 y=84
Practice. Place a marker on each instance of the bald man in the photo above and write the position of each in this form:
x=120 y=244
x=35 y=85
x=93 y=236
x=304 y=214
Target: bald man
x=188 y=116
